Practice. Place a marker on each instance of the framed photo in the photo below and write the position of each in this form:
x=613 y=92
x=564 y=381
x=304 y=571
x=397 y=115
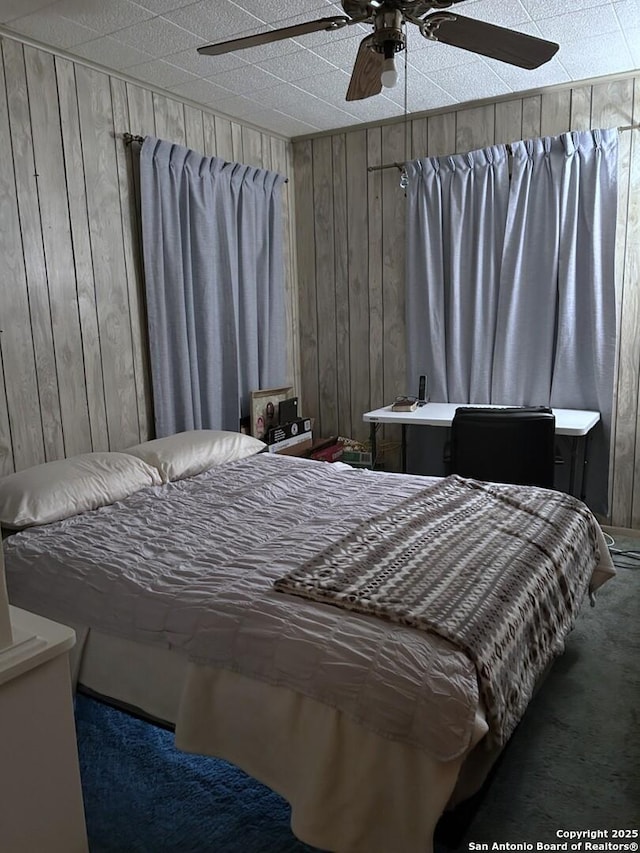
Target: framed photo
x=264 y=409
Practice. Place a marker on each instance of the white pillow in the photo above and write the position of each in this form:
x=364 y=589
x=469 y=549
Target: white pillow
x=66 y=487
x=187 y=453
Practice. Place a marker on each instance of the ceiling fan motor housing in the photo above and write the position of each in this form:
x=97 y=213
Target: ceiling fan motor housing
x=388 y=17
x=358 y=8
x=388 y=35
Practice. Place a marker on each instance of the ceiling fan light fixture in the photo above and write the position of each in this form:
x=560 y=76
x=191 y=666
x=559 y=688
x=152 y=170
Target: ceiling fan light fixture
x=375 y=66
x=389 y=75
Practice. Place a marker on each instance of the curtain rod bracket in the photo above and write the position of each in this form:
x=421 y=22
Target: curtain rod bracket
x=131 y=137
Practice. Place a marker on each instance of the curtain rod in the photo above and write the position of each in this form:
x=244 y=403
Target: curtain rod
x=131 y=137
x=400 y=166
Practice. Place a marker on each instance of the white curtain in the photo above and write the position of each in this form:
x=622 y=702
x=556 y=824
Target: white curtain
x=552 y=340
x=457 y=210
x=214 y=278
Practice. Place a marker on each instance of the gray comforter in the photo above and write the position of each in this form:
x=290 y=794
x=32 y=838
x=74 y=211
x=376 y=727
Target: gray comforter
x=191 y=566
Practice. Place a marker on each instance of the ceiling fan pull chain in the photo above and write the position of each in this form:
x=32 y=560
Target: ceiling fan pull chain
x=404 y=176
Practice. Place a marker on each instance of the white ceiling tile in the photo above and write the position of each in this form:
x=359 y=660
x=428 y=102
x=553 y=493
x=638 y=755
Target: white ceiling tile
x=204 y=66
x=100 y=16
x=521 y=79
x=334 y=7
x=159 y=7
x=628 y=13
x=422 y=93
x=496 y=12
x=238 y=106
x=52 y=30
x=321 y=114
x=578 y=25
x=302 y=105
x=344 y=113
x=632 y=36
x=433 y=56
x=201 y=91
x=279 y=98
x=161 y=73
x=296 y=66
x=215 y=21
x=332 y=85
x=111 y=53
x=373 y=109
x=282 y=124
x=416 y=41
x=283 y=98
x=279 y=14
x=589 y=58
x=158 y=37
x=470 y=82
x=548 y=8
x=340 y=52
x=243 y=80
x=10 y=9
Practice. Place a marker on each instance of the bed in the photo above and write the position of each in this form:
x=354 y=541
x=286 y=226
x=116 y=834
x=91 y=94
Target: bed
x=313 y=623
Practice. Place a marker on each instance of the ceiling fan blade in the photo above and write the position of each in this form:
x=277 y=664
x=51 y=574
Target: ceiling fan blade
x=367 y=71
x=334 y=23
x=489 y=40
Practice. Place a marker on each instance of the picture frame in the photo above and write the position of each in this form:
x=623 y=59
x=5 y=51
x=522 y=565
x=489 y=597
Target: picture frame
x=264 y=409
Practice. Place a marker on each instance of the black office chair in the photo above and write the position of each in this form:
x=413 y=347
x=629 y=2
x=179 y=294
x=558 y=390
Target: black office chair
x=511 y=445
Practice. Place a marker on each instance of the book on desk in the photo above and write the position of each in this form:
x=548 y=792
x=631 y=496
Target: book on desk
x=404 y=404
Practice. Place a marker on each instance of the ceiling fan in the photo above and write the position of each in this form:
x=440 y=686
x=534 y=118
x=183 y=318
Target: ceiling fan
x=375 y=67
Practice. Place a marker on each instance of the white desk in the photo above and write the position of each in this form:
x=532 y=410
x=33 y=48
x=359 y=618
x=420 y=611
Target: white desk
x=572 y=422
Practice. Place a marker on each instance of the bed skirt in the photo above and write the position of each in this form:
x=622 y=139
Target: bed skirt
x=350 y=790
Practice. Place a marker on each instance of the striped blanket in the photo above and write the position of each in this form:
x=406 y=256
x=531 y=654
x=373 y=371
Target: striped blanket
x=501 y=571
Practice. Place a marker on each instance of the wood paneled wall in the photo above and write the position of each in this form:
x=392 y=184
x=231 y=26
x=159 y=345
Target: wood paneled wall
x=73 y=339
x=351 y=251
x=73 y=351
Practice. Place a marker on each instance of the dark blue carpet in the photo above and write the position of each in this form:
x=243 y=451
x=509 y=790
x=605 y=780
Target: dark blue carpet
x=144 y=796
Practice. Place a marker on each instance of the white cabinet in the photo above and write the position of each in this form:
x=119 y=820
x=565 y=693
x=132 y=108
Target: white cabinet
x=41 y=806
